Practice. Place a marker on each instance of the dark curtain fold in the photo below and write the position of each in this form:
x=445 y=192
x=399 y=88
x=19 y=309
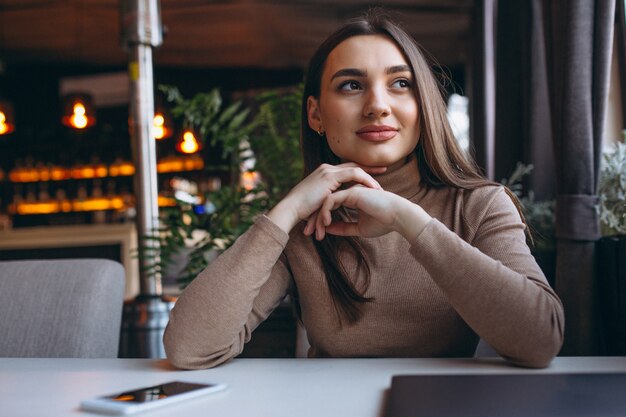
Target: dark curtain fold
x=578 y=48
x=523 y=127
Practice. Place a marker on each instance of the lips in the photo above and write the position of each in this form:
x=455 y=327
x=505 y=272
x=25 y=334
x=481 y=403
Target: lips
x=377 y=133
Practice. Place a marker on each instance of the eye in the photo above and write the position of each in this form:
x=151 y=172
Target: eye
x=401 y=83
x=350 y=85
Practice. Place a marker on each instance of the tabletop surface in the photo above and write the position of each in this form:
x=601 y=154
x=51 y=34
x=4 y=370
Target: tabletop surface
x=256 y=387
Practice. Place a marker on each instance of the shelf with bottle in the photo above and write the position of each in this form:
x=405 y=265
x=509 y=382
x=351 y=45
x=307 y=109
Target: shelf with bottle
x=41 y=172
x=39 y=199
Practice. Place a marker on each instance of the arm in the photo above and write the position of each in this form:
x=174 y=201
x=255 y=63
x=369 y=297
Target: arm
x=494 y=283
x=218 y=311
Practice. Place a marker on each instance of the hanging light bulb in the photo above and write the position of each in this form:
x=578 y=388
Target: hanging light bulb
x=162 y=121
x=78 y=112
x=7 y=125
x=162 y=130
x=188 y=143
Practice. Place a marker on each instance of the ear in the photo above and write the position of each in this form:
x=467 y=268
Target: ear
x=313 y=114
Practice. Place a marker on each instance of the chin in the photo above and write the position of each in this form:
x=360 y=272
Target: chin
x=379 y=162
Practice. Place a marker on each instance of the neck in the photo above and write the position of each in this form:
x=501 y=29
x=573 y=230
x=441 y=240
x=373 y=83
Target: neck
x=402 y=177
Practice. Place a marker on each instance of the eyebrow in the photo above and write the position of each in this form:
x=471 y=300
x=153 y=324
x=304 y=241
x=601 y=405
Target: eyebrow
x=397 y=68
x=355 y=72
x=349 y=72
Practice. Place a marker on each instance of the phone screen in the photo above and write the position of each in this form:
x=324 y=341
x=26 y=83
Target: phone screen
x=156 y=392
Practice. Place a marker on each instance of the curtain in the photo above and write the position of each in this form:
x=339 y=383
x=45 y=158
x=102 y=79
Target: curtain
x=578 y=38
x=523 y=126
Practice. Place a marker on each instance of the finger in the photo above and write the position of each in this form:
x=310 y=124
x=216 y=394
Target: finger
x=320 y=231
x=336 y=176
x=347 y=198
x=358 y=175
x=310 y=224
x=324 y=214
x=320 y=228
x=343 y=229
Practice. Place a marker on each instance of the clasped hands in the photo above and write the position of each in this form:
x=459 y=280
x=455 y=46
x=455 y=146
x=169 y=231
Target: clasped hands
x=352 y=186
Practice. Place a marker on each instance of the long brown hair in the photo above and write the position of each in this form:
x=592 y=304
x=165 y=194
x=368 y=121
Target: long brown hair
x=441 y=161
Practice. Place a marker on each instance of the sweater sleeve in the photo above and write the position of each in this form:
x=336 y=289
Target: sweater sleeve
x=217 y=312
x=495 y=284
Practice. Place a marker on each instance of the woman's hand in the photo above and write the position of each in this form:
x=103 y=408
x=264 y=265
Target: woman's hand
x=379 y=212
x=306 y=198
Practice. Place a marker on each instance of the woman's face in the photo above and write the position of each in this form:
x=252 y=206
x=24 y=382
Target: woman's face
x=366 y=107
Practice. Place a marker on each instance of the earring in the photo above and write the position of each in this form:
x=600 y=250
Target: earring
x=320 y=131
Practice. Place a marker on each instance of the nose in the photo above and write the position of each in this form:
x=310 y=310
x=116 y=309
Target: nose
x=376 y=103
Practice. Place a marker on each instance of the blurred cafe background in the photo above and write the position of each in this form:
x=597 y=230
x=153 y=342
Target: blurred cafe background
x=71 y=152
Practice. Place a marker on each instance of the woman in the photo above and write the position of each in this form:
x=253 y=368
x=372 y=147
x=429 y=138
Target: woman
x=393 y=245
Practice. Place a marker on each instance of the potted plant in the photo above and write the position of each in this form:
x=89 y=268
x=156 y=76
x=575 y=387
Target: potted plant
x=266 y=144
x=539 y=216
x=611 y=248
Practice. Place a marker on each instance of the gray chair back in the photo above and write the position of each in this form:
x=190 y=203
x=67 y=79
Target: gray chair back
x=484 y=350
x=61 y=308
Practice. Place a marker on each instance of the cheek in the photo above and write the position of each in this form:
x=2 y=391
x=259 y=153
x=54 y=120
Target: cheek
x=334 y=142
x=336 y=115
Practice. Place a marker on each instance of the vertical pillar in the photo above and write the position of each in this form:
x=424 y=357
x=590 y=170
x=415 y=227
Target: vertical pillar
x=483 y=86
x=141 y=31
x=144 y=318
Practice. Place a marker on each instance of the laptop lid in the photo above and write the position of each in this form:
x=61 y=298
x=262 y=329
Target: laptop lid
x=525 y=395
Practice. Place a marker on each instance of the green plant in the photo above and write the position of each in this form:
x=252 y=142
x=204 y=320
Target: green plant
x=275 y=140
x=612 y=190
x=269 y=143
x=539 y=214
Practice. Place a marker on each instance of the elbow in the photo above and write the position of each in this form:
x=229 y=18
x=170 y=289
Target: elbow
x=186 y=355
x=177 y=353
x=537 y=360
x=193 y=362
x=539 y=354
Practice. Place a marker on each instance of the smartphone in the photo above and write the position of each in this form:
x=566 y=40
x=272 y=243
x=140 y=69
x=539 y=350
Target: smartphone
x=148 y=398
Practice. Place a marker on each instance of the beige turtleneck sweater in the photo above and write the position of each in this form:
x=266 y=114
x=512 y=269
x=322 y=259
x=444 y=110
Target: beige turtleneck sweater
x=469 y=273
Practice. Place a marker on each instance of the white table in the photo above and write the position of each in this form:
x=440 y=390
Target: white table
x=257 y=387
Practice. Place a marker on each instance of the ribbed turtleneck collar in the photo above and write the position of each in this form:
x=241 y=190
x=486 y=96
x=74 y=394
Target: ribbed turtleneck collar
x=403 y=180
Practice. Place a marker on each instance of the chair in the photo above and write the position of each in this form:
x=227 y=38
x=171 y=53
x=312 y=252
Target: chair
x=484 y=350
x=61 y=308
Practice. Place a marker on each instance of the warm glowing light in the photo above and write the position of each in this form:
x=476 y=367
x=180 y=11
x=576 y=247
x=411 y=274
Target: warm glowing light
x=78 y=113
x=24 y=175
x=50 y=207
x=160 y=130
x=101 y=171
x=166 y=201
x=38 y=208
x=249 y=180
x=122 y=169
x=180 y=163
x=5 y=126
x=78 y=119
x=95 y=171
x=59 y=173
x=188 y=144
x=97 y=204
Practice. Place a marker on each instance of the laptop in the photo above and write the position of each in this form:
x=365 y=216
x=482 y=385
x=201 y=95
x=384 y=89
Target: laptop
x=524 y=395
